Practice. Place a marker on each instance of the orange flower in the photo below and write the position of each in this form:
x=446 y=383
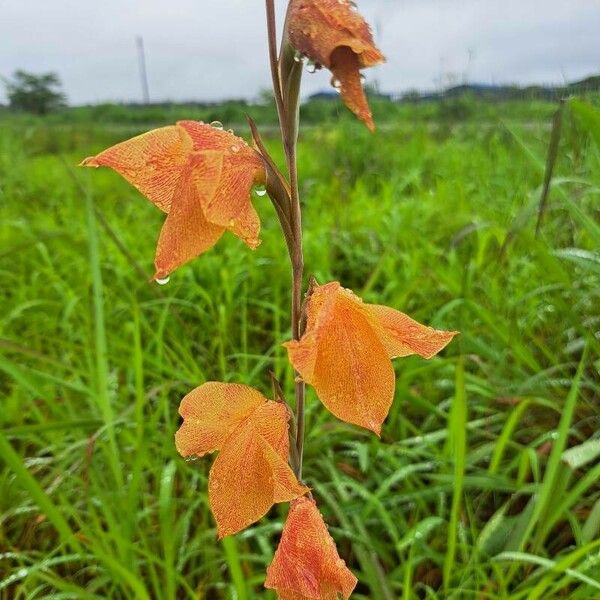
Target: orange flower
x=346 y=350
x=333 y=34
x=306 y=565
x=200 y=176
x=251 y=472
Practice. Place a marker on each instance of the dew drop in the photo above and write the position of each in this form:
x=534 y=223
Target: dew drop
x=163 y=281
x=235 y=148
x=337 y=84
x=217 y=125
x=260 y=191
x=311 y=67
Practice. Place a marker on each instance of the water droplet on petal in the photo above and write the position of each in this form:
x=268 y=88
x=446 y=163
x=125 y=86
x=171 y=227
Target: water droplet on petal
x=217 y=125
x=163 y=281
x=235 y=148
x=337 y=84
x=260 y=191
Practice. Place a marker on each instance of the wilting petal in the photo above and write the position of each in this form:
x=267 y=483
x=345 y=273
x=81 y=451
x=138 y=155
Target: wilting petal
x=403 y=336
x=198 y=174
x=346 y=349
x=331 y=33
x=306 y=565
x=251 y=472
x=211 y=413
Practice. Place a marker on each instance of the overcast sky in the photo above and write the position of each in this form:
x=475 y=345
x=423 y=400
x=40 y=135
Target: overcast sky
x=214 y=49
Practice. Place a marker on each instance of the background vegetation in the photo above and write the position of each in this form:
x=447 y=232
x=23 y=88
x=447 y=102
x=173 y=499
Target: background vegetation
x=485 y=481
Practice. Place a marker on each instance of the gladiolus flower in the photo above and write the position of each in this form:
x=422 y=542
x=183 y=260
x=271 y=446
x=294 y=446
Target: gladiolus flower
x=201 y=176
x=331 y=33
x=346 y=350
x=251 y=472
x=306 y=565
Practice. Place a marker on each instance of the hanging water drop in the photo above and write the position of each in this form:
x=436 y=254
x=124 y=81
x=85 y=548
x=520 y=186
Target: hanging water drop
x=217 y=125
x=337 y=84
x=311 y=67
x=163 y=281
x=260 y=191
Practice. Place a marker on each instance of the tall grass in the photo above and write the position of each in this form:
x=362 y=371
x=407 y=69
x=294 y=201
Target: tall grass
x=485 y=482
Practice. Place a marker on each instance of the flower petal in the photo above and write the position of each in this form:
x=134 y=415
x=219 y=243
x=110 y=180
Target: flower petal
x=201 y=176
x=342 y=357
x=249 y=475
x=346 y=349
x=211 y=413
x=186 y=233
x=403 y=336
x=346 y=70
x=331 y=33
x=151 y=162
x=306 y=565
x=242 y=168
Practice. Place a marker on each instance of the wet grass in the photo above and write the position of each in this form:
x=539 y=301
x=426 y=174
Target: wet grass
x=485 y=481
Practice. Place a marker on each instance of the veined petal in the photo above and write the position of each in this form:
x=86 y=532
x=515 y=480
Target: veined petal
x=331 y=33
x=211 y=413
x=251 y=472
x=151 y=162
x=306 y=565
x=346 y=72
x=346 y=349
x=186 y=233
x=201 y=176
x=403 y=336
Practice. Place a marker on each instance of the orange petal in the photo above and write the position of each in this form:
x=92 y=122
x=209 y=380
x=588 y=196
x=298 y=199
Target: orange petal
x=306 y=565
x=211 y=413
x=242 y=168
x=151 y=162
x=346 y=350
x=345 y=69
x=249 y=475
x=186 y=233
x=251 y=472
x=343 y=358
x=331 y=33
x=201 y=176
x=403 y=336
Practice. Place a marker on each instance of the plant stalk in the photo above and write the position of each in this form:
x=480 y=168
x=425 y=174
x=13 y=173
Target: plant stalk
x=286 y=75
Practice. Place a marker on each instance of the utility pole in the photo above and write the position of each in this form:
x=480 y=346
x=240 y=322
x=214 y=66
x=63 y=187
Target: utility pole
x=142 y=67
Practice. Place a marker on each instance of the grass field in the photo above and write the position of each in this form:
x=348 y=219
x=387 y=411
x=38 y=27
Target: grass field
x=485 y=483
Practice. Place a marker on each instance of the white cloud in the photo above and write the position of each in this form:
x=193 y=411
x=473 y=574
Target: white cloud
x=213 y=49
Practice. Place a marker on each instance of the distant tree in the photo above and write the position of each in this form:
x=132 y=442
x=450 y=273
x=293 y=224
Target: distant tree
x=39 y=94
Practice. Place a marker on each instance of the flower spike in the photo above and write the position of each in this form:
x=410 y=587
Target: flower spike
x=200 y=176
x=306 y=565
x=251 y=472
x=346 y=350
x=332 y=34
